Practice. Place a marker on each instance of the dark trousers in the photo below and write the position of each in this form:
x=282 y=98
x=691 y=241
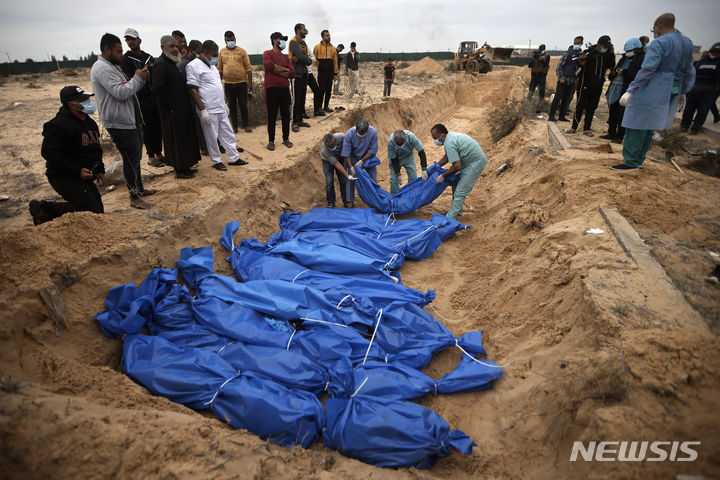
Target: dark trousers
x=537 y=80
x=328 y=170
x=324 y=92
x=697 y=105
x=588 y=99
x=81 y=196
x=387 y=88
x=615 y=117
x=278 y=99
x=300 y=94
x=237 y=93
x=562 y=98
x=714 y=109
x=152 y=132
x=129 y=143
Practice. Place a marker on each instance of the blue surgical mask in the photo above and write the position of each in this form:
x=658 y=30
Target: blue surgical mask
x=439 y=142
x=214 y=61
x=542 y=52
x=360 y=135
x=88 y=106
x=282 y=44
x=231 y=44
x=577 y=47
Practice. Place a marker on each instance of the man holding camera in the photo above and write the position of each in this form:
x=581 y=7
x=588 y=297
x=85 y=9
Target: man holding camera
x=594 y=63
x=539 y=66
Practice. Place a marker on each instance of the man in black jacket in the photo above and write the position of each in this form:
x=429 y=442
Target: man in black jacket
x=71 y=149
x=620 y=79
x=703 y=94
x=594 y=63
x=176 y=114
x=298 y=54
x=566 y=72
x=136 y=59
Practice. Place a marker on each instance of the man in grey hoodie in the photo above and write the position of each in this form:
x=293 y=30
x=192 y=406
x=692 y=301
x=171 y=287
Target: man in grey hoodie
x=120 y=112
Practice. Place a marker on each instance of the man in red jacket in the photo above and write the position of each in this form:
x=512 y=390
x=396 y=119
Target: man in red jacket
x=278 y=72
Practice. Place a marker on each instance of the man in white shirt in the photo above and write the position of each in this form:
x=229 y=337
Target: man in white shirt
x=206 y=90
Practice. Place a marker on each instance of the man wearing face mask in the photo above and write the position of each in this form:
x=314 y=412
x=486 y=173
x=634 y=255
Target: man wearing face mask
x=327 y=58
x=206 y=90
x=467 y=162
x=71 y=149
x=620 y=78
x=236 y=73
x=178 y=119
x=594 y=64
x=652 y=98
x=359 y=144
x=539 y=66
x=566 y=72
x=703 y=94
x=278 y=73
x=401 y=152
x=644 y=40
x=120 y=113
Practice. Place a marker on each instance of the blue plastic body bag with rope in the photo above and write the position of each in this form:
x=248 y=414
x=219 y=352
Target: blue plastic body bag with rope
x=409 y=198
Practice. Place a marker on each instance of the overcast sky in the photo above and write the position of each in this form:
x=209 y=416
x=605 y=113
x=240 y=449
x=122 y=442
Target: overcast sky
x=40 y=28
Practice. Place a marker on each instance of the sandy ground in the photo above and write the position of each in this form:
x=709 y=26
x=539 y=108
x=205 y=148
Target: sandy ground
x=594 y=352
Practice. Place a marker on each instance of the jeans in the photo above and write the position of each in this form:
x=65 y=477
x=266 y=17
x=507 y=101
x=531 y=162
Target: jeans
x=409 y=164
x=130 y=143
x=588 y=99
x=537 y=80
x=563 y=96
x=697 y=105
x=300 y=90
x=636 y=145
x=386 y=88
x=350 y=184
x=236 y=93
x=328 y=170
x=278 y=99
x=81 y=195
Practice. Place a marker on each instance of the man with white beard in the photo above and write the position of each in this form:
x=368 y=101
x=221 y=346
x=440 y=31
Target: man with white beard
x=177 y=118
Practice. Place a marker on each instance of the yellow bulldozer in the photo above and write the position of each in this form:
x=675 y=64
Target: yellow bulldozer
x=472 y=59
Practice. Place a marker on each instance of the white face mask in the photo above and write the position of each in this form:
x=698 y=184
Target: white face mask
x=577 y=47
x=360 y=136
x=439 y=142
x=629 y=54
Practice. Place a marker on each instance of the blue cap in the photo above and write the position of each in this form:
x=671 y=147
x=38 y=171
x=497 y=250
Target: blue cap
x=632 y=44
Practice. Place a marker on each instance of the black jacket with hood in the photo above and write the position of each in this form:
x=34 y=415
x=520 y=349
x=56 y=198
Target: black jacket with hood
x=593 y=66
x=71 y=144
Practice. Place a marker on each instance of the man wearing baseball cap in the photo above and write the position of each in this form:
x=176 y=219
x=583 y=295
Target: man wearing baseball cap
x=704 y=92
x=71 y=149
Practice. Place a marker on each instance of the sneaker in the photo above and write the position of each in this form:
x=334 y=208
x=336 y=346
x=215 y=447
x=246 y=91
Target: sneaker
x=239 y=162
x=304 y=124
x=328 y=110
x=563 y=119
x=287 y=143
x=569 y=130
x=588 y=133
x=319 y=114
x=184 y=175
x=156 y=162
x=551 y=119
x=617 y=140
x=149 y=191
x=607 y=137
x=622 y=167
x=271 y=146
x=714 y=276
x=219 y=166
x=331 y=205
x=140 y=204
x=38 y=212
x=295 y=128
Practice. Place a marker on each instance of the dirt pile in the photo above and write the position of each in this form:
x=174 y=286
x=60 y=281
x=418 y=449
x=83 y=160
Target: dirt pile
x=592 y=352
x=426 y=65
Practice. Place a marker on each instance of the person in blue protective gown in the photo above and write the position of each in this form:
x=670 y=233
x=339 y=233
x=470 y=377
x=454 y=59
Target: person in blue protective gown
x=467 y=162
x=401 y=154
x=652 y=98
x=359 y=145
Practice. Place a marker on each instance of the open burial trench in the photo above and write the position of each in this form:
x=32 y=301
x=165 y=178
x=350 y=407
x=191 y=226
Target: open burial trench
x=588 y=358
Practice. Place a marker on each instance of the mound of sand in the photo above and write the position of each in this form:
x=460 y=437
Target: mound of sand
x=426 y=65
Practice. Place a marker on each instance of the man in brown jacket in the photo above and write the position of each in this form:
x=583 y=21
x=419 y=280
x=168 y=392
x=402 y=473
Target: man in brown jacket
x=539 y=66
x=236 y=72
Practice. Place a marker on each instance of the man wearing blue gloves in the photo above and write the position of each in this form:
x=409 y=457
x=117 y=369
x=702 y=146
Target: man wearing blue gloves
x=401 y=147
x=467 y=159
x=359 y=145
x=652 y=98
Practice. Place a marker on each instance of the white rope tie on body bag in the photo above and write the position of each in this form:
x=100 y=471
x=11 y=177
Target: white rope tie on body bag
x=352 y=299
x=392 y=259
x=290 y=340
x=220 y=388
x=379 y=315
x=455 y=321
x=296 y=276
x=357 y=390
x=323 y=321
x=480 y=361
x=431 y=227
x=391 y=216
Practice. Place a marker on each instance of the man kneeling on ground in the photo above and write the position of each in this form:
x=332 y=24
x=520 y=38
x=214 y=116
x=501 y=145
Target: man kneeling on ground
x=71 y=149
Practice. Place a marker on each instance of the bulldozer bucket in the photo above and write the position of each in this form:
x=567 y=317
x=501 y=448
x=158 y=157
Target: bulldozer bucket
x=497 y=54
